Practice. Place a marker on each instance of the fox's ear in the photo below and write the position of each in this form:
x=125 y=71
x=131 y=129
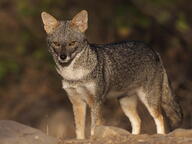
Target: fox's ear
x=80 y=21
x=50 y=23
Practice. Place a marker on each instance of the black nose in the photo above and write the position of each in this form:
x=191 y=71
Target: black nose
x=63 y=56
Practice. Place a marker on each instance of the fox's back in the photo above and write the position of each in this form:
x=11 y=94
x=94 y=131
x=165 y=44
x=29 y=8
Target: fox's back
x=129 y=64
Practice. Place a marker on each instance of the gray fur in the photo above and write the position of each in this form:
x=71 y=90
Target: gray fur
x=121 y=68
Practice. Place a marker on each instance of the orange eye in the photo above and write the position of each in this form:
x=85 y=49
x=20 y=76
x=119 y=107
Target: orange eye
x=56 y=44
x=72 y=43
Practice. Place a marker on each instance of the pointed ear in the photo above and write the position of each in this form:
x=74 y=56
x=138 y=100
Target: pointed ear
x=50 y=23
x=80 y=21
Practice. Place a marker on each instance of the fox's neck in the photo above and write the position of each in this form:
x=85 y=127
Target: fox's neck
x=87 y=58
x=81 y=66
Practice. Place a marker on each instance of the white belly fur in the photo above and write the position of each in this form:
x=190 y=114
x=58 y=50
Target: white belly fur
x=115 y=94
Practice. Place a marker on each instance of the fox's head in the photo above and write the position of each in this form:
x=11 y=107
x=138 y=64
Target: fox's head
x=65 y=38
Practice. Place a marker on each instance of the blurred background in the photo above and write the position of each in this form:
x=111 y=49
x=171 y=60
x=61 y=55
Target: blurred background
x=30 y=88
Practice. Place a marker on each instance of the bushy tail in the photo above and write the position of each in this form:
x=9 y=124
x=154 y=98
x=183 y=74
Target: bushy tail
x=170 y=104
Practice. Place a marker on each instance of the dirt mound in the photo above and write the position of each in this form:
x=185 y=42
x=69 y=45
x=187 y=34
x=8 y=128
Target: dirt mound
x=113 y=135
x=13 y=133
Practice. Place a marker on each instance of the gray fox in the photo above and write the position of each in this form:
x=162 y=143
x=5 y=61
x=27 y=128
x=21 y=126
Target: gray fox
x=128 y=70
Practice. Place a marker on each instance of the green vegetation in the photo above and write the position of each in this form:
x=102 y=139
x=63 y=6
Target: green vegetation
x=28 y=38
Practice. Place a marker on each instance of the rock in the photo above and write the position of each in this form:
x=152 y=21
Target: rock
x=181 y=133
x=15 y=133
x=106 y=131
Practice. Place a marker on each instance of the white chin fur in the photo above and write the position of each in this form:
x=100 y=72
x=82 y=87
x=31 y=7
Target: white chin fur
x=64 y=61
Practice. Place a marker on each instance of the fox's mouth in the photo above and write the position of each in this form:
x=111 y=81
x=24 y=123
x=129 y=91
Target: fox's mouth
x=65 y=62
x=64 y=59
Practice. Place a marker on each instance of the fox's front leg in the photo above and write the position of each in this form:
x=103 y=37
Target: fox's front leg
x=79 y=110
x=96 y=116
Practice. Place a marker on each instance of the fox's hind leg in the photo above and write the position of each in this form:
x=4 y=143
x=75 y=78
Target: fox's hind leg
x=154 y=110
x=129 y=107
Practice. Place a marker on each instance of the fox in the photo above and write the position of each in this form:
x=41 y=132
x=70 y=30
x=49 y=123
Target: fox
x=129 y=71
